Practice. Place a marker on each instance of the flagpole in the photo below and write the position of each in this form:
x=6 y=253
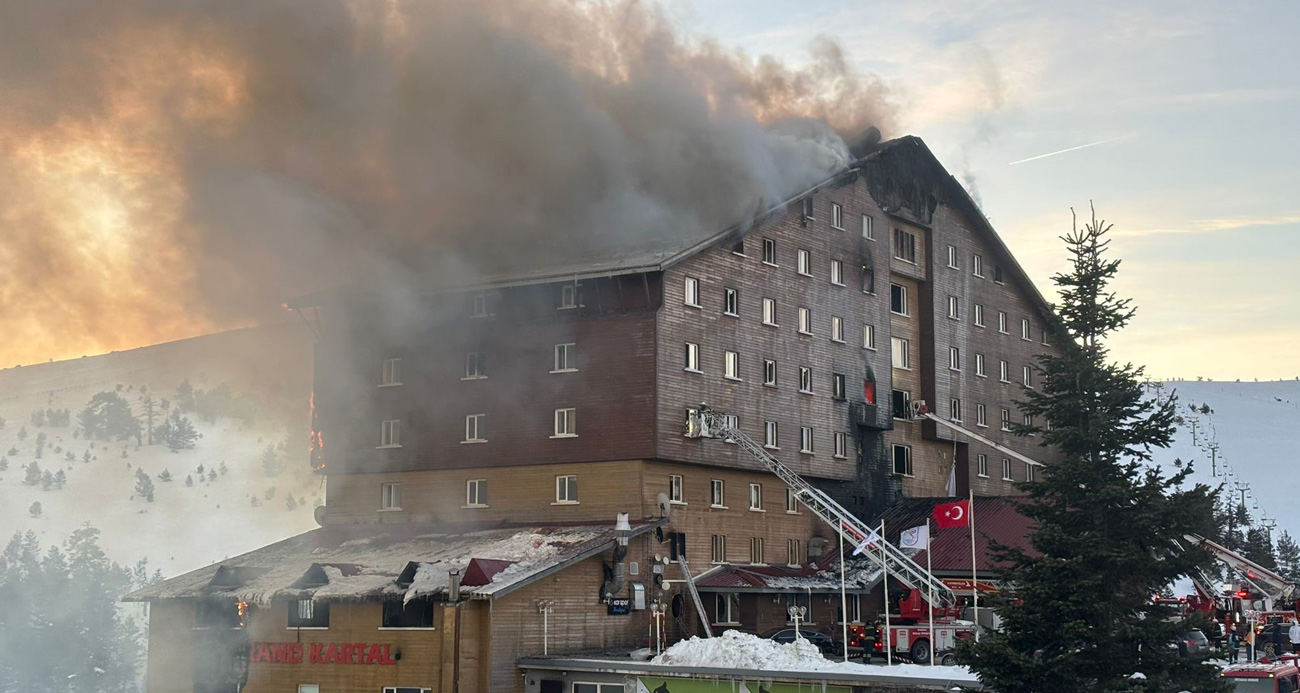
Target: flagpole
x=931 y=574
x=889 y=645
x=974 y=576
x=844 y=600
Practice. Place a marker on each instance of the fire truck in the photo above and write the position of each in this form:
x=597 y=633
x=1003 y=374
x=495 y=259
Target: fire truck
x=1263 y=597
x=1272 y=676
x=910 y=636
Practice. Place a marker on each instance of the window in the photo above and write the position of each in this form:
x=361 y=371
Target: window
x=478 y=306
x=756 y=549
x=952 y=256
x=1006 y=419
x=808 y=208
x=475 y=365
x=841 y=444
x=675 y=488
x=476 y=493
x=869 y=391
x=315 y=688
x=900 y=400
x=997 y=274
x=954 y=307
x=727 y=606
x=837 y=328
x=731 y=365
x=854 y=604
x=566 y=488
x=1006 y=469
x=868 y=280
x=954 y=409
x=755 y=496
x=898 y=299
x=1002 y=322
x=769 y=312
x=804 y=265
x=979 y=315
x=769 y=435
x=805 y=380
x=692 y=356
x=691 y=294
x=982 y=465
x=417 y=613
x=869 y=337
x=731 y=302
x=1024 y=330
x=979 y=365
x=837 y=216
x=977 y=266
x=769 y=372
x=806 y=440
x=981 y=419
x=568 y=297
x=1003 y=371
x=1029 y=420
x=837 y=272
x=566 y=423
x=867 y=231
x=739 y=248
x=791 y=502
x=306 y=613
x=903 y=460
x=954 y=358
x=392 y=372
x=716 y=495
x=1029 y=472
x=582 y=687
x=390 y=496
x=220 y=614
x=1045 y=337
x=900 y=356
x=769 y=251
x=805 y=321
x=837 y=386
x=794 y=552
x=474 y=431
x=905 y=246
x=390 y=434
x=1025 y=376
x=566 y=358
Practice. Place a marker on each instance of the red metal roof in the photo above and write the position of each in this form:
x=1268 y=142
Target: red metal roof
x=995 y=519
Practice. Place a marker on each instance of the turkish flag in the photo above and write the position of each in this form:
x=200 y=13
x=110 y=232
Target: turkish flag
x=952 y=514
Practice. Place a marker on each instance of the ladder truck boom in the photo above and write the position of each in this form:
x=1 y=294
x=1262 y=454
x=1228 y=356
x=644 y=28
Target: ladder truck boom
x=710 y=424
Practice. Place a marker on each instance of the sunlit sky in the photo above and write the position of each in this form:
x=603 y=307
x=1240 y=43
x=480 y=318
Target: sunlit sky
x=1194 y=105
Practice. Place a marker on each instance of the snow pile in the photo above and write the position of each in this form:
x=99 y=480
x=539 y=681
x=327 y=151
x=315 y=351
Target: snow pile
x=736 y=650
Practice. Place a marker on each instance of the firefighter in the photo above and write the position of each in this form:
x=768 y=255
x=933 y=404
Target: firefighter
x=1294 y=634
x=1233 y=643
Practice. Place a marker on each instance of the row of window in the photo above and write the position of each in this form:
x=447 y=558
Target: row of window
x=731 y=307
x=564 y=359
x=566 y=426
x=771 y=433
x=476 y=492
x=795 y=554
x=1004 y=369
x=976 y=266
x=726 y=609
x=903 y=464
x=902 y=401
x=977 y=318
x=731 y=371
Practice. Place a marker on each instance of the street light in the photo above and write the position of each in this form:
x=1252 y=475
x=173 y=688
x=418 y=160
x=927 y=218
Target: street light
x=657 y=609
x=797 y=614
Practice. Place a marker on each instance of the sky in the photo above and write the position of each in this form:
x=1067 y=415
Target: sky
x=1181 y=118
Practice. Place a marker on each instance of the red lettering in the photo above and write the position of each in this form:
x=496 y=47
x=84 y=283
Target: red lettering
x=295 y=653
x=316 y=657
x=332 y=654
x=280 y=653
x=345 y=651
x=387 y=659
x=359 y=648
x=374 y=655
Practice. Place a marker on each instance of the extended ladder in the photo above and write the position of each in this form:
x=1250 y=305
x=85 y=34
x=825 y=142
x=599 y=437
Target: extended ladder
x=708 y=423
x=695 y=595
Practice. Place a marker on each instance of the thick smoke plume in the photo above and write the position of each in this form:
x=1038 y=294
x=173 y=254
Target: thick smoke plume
x=173 y=166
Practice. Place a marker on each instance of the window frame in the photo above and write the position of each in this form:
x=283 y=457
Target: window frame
x=837 y=329
x=805 y=321
x=570 y=429
x=769 y=373
x=476 y=493
x=839 y=387
x=478 y=420
x=769 y=312
x=954 y=409
x=837 y=216
x=805 y=380
x=1006 y=420
x=691 y=358
x=954 y=307
x=978 y=317
x=806 y=440
x=1004 y=371
x=568 y=296
x=907 y=460
x=979 y=366
x=390 y=374
x=390 y=434
x=726 y=601
x=977 y=265
x=771 y=435
x=566 y=489
x=901 y=292
x=756 y=497
x=791 y=502
x=730 y=301
x=981 y=416
x=718 y=493
x=691 y=292
x=317 y=618
x=868 y=336
x=1002 y=322
x=982 y=466
x=676 y=489
x=954 y=359
x=475 y=366
x=793 y=551
x=1006 y=469
x=1029 y=472
x=952 y=257
x=1026 y=377
x=1026 y=332
x=564 y=358
x=837 y=272
x=803 y=263
x=731 y=365
x=906 y=359
x=756 y=551
x=895 y=410
x=769 y=252
x=841 y=445
x=868 y=227
x=390 y=495
x=904 y=245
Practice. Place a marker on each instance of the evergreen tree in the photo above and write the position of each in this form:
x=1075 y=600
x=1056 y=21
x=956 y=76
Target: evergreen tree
x=1078 y=614
x=270 y=461
x=60 y=478
x=143 y=485
x=47 y=480
x=4 y=463
x=189 y=480
x=1288 y=557
x=33 y=474
x=177 y=432
x=35 y=509
x=108 y=416
x=1259 y=548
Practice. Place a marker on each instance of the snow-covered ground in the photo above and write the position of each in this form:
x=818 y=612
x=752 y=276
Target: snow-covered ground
x=1256 y=427
x=186 y=526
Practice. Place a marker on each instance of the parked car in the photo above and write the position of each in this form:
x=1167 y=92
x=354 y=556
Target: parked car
x=1194 y=645
x=825 y=643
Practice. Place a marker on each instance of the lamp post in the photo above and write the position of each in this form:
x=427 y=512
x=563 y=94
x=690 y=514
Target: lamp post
x=797 y=614
x=544 y=607
x=657 y=609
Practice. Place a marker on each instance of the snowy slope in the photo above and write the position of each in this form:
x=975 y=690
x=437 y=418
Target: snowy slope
x=185 y=527
x=1257 y=428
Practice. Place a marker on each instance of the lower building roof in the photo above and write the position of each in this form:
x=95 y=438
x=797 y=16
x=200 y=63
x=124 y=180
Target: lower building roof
x=995 y=519
x=369 y=562
x=820 y=575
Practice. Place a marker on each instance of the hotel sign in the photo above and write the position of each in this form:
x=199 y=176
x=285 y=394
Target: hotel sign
x=321 y=653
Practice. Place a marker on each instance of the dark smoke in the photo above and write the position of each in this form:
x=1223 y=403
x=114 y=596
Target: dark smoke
x=170 y=166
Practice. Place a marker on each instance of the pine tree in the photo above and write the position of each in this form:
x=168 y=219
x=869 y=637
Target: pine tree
x=60 y=478
x=1259 y=547
x=1288 y=557
x=189 y=480
x=33 y=474
x=270 y=461
x=35 y=509
x=143 y=485
x=108 y=416
x=177 y=432
x=1078 y=614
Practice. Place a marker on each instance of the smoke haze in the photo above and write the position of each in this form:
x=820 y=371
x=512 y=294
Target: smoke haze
x=169 y=167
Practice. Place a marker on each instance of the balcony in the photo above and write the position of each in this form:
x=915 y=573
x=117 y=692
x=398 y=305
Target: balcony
x=868 y=416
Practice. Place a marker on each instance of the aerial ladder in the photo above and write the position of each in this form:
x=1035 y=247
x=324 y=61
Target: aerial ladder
x=706 y=423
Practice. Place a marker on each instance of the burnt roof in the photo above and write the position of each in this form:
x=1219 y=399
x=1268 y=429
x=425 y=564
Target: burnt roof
x=996 y=520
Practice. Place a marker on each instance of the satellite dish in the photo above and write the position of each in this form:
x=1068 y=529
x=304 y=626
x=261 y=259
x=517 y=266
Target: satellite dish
x=665 y=506
x=319 y=514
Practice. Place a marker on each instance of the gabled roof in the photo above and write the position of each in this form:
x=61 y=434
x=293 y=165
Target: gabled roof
x=354 y=562
x=903 y=175
x=996 y=520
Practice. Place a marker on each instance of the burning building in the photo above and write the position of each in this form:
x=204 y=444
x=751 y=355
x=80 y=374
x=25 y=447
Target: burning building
x=483 y=436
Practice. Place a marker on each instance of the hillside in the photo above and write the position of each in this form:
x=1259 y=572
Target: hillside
x=1255 y=426
x=264 y=375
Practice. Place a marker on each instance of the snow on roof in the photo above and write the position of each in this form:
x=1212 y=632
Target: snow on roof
x=860 y=574
x=366 y=562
